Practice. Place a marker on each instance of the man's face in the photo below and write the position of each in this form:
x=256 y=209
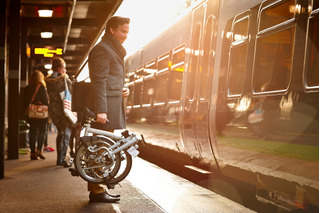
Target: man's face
x=121 y=33
x=62 y=69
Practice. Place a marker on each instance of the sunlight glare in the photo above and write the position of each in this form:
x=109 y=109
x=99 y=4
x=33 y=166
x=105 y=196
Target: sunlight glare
x=148 y=19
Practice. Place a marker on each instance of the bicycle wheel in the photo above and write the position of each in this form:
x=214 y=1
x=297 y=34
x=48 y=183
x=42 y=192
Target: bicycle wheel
x=94 y=166
x=124 y=170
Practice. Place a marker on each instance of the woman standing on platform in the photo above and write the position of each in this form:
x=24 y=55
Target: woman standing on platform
x=36 y=92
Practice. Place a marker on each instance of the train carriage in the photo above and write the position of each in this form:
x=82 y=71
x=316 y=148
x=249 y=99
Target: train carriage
x=235 y=84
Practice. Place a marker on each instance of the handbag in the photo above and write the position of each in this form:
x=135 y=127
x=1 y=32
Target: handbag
x=81 y=96
x=66 y=99
x=38 y=110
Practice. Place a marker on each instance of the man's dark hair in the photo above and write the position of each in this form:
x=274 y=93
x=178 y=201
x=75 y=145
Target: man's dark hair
x=56 y=63
x=115 y=21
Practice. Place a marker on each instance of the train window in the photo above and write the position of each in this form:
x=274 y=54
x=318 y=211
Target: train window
x=151 y=68
x=312 y=52
x=139 y=73
x=275 y=14
x=131 y=76
x=315 y=5
x=161 y=87
x=163 y=62
x=148 y=90
x=207 y=58
x=194 y=61
x=176 y=82
x=237 y=69
x=273 y=61
x=137 y=93
x=238 y=55
x=178 y=55
x=240 y=29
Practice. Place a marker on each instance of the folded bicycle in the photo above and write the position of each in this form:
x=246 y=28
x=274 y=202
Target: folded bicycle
x=103 y=157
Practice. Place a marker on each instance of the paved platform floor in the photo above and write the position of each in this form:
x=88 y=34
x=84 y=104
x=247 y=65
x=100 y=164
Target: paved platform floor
x=41 y=186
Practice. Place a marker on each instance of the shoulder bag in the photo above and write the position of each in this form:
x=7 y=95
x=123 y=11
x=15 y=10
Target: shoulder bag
x=37 y=110
x=66 y=99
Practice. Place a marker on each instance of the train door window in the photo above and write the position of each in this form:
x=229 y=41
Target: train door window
x=311 y=72
x=148 y=90
x=194 y=63
x=207 y=59
x=137 y=93
x=161 y=87
x=176 y=73
x=276 y=13
x=274 y=49
x=238 y=55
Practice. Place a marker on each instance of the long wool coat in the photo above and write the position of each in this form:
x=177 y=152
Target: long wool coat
x=106 y=70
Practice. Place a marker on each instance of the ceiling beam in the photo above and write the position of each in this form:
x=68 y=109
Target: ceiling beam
x=76 y=22
x=58 y=39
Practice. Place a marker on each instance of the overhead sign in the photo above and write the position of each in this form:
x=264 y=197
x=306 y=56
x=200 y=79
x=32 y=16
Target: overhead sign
x=46 y=52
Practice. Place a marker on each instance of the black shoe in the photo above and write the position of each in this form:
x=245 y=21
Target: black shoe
x=112 y=195
x=102 y=197
x=34 y=156
x=41 y=156
x=65 y=164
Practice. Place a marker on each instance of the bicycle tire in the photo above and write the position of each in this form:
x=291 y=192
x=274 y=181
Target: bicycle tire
x=120 y=177
x=92 y=175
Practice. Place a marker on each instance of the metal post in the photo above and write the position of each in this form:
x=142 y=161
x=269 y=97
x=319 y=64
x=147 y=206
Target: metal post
x=14 y=78
x=3 y=24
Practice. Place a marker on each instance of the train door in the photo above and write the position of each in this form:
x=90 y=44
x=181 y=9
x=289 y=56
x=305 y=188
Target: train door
x=198 y=16
x=203 y=87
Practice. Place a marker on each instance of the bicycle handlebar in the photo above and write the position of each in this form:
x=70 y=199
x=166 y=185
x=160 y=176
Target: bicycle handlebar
x=91 y=115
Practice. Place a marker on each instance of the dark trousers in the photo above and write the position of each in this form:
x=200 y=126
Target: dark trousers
x=37 y=134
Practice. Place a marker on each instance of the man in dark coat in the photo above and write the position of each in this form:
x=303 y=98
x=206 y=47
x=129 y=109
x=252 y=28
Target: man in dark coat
x=106 y=69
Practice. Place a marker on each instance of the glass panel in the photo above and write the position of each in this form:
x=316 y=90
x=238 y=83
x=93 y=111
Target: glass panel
x=315 y=4
x=207 y=54
x=151 y=68
x=163 y=62
x=148 y=91
x=273 y=61
x=277 y=14
x=237 y=71
x=194 y=62
x=312 y=61
x=161 y=88
x=137 y=94
x=178 y=56
x=176 y=82
x=131 y=76
x=240 y=30
x=139 y=73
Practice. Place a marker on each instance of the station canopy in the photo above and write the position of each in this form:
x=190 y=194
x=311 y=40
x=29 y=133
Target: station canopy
x=71 y=27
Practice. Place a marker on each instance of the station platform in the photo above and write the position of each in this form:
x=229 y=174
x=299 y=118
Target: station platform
x=41 y=186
